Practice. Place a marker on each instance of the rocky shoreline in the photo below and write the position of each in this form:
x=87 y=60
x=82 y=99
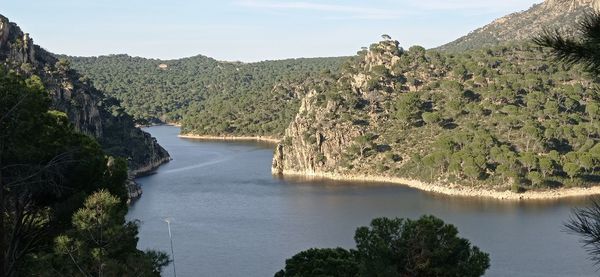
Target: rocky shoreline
x=454 y=189
x=134 y=190
x=450 y=189
x=149 y=168
x=175 y=124
x=231 y=138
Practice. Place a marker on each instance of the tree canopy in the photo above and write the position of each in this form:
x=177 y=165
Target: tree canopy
x=395 y=247
x=205 y=95
x=47 y=171
x=499 y=118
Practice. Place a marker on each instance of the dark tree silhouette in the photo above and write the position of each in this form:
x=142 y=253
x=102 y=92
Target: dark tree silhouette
x=585 y=222
x=395 y=247
x=583 y=50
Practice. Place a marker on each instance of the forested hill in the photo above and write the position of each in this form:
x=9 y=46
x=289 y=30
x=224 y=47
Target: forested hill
x=553 y=14
x=88 y=109
x=505 y=117
x=219 y=97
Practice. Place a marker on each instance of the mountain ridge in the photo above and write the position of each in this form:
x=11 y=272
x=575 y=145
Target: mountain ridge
x=563 y=15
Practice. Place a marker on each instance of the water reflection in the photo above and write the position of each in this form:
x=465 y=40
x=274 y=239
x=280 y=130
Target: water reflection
x=231 y=217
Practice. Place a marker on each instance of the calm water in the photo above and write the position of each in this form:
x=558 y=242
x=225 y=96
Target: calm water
x=230 y=217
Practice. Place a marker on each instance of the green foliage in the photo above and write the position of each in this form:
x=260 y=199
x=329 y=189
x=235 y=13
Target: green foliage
x=102 y=244
x=364 y=143
x=321 y=262
x=47 y=170
x=536 y=178
x=395 y=247
x=408 y=108
x=423 y=247
x=572 y=169
x=501 y=117
x=431 y=117
x=205 y=95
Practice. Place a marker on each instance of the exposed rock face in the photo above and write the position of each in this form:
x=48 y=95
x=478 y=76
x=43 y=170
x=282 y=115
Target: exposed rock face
x=134 y=191
x=308 y=150
x=570 y=4
x=563 y=15
x=316 y=141
x=3 y=31
x=89 y=110
x=441 y=120
x=150 y=166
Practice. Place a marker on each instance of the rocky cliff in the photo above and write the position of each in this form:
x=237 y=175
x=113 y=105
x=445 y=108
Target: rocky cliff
x=89 y=110
x=336 y=117
x=563 y=15
x=503 y=118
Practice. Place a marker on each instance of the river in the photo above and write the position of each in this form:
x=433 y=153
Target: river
x=231 y=217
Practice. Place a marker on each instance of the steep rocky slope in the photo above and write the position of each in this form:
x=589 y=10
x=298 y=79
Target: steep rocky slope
x=334 y=115
x=499 y=118
x=90 y=111
x=554 y=14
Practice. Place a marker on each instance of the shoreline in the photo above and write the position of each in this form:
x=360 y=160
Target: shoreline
x=157 y=124
x=231 y=138
x=455 y=190
x=134 y=190
x=148 y=168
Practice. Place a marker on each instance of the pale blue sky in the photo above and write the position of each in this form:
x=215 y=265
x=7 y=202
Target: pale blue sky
x=246 y=30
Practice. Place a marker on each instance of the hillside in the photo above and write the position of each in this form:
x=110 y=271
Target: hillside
x=502 y=118
x=206 y=95
x=563 y=15
x=88 y=109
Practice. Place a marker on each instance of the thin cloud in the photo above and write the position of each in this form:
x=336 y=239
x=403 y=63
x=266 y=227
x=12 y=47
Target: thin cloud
x=347 y=10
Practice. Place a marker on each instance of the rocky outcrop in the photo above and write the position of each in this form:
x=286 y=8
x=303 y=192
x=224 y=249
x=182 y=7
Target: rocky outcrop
x=89 y=110
x=318 y=140
x=563 y=15
x=571 y=4
x=308 y=149
x=439 y=122
x=149 y=167
x=134 y=191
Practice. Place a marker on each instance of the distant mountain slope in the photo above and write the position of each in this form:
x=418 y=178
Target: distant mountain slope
x=555 y=14
x=221 y=98
x=90 y=111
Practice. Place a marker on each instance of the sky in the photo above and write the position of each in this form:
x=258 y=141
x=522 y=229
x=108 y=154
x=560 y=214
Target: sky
x=246 y=30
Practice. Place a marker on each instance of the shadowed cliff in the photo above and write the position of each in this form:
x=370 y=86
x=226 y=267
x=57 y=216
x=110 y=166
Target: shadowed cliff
x=88 y=109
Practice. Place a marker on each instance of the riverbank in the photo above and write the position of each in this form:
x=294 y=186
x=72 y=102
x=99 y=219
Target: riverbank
x=134 y=190
x=157 y=124
x=148 y=168
x=457 y=190
x=231 y=138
